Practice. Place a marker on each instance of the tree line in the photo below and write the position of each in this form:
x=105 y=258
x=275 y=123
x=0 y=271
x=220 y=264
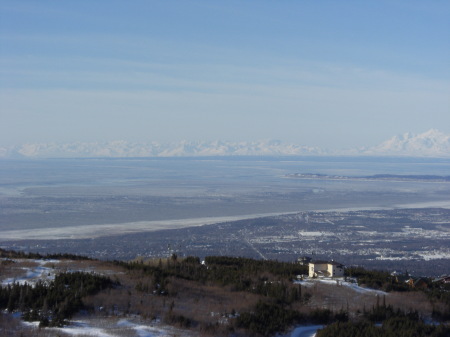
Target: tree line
x=391 y=323
x=11 y=254
x=437 y=293
x=268 y=278
x=52 y=303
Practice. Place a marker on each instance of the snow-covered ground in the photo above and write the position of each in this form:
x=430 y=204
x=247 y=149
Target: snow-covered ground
x=31 y=271
x=114 y=327
x=33 y=274
x=305 y=331
x=309 y=282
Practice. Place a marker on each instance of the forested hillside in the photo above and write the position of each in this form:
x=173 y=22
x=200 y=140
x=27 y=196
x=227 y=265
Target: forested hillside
x=220 y=296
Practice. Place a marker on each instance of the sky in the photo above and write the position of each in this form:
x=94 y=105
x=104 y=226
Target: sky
x=333 y=74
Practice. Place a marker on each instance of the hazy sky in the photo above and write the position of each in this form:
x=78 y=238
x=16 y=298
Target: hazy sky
x=322 y=73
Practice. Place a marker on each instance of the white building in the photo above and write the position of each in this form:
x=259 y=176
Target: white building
x=326 y=269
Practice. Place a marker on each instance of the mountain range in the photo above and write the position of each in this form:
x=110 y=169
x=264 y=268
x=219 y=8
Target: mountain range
x=432 y=143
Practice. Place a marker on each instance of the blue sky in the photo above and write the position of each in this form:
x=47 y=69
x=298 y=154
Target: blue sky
x=334 y=74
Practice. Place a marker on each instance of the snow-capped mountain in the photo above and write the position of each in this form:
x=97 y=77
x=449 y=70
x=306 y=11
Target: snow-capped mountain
x=155 y=149
x=432 y=143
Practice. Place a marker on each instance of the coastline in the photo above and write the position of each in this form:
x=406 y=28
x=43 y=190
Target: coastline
x=104 y=230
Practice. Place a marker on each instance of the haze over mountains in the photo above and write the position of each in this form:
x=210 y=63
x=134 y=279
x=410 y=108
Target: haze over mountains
x=432 y=143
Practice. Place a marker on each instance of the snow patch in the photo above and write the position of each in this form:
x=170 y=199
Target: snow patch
x=82 y=328
x=114 y=328
x=33 y=274
x=305 y=331
x=340 y=282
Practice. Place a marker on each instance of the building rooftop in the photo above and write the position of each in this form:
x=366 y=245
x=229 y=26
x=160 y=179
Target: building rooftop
x=334 y=263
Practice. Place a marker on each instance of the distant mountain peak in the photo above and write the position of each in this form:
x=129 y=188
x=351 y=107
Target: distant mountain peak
x=433 y=133
x=432 y=143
